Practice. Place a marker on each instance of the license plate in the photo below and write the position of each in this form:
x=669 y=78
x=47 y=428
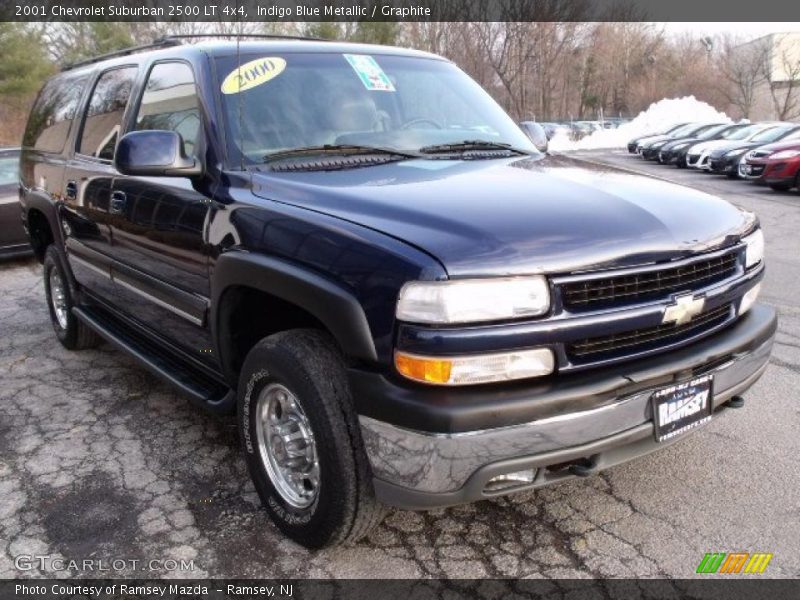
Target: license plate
x=682 y=407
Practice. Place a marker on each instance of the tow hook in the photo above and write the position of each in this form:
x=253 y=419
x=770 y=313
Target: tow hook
x=736 y=402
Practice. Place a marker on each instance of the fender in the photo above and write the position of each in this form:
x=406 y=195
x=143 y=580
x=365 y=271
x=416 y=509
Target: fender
x=41 y=201
x=330 y=303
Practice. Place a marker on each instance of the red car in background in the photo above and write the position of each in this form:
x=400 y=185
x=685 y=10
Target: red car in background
x=776 y=164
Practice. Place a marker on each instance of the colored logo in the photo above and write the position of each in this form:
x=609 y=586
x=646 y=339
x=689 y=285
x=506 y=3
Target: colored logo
x=734 y=562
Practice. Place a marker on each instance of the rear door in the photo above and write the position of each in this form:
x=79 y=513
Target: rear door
x=161 y=259
x=89 y=210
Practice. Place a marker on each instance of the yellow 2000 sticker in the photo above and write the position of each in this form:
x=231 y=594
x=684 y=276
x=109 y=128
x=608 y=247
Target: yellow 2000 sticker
x=253 y=73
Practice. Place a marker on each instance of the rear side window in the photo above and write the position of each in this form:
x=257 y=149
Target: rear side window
x=103 y=121
x=170 y=102
x=53 y=112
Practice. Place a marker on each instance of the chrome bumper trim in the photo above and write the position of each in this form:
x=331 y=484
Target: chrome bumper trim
x=441 y=463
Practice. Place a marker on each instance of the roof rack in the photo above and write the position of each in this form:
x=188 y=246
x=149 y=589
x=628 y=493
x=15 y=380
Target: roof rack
x=176 y=40
x=264 y=36
x=160 y=43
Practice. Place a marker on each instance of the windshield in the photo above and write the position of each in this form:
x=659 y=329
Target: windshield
x=291 y=101
x=728 y=135
x=685 y=130
x=714 y=131
x=746 y=132
x=9 y=170
x=770 y=135
x=671 y=129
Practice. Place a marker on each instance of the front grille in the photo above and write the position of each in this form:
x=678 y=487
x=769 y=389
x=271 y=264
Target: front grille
x=640 y=340
x=624 y=290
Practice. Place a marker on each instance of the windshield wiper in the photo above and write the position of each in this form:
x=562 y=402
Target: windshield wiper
x=467 y=145
x=337 y=150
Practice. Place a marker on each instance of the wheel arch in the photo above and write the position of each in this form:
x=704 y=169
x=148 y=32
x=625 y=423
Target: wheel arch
x=323 y=301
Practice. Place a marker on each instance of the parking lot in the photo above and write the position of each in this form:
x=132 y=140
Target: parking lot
x=99 y=459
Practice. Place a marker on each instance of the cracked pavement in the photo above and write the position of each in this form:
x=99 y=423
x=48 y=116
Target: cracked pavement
x=99 y=459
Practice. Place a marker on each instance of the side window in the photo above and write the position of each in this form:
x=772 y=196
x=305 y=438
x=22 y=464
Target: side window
x=170 y=102
x=103 y=122
x=52 y=114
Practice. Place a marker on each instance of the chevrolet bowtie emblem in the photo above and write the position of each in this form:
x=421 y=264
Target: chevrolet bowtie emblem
x=683 y=310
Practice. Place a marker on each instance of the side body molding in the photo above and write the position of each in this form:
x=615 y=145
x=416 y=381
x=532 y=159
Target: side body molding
x=330 y=303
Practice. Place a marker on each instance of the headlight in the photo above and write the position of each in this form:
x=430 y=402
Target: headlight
x=732 y=153
x=680 y=146
x=749 y=299
x=755 y=248
x=481 y=368
x=783 y=154
x=473 y=300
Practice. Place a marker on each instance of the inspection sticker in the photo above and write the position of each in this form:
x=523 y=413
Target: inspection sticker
x=253 y=73
x=370 y=73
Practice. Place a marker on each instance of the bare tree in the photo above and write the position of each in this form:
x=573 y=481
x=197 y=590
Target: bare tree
x=742 y=68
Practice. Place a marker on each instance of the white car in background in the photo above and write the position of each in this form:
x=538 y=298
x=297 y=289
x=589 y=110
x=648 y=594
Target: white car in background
x=697 y=156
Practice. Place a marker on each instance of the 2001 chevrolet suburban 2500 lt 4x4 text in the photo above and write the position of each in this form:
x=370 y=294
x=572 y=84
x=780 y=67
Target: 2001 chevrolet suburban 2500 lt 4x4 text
x=403 y=299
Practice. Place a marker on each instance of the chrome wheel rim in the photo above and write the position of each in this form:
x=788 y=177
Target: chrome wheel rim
x=286 y=445
x=58 y=298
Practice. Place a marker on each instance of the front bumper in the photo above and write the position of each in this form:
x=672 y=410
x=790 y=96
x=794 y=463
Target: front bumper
x=650 y=153
x=726 y=165
x=592 y=423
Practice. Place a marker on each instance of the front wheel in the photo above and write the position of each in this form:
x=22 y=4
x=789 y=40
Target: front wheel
x=302 y=441
x=780 y=187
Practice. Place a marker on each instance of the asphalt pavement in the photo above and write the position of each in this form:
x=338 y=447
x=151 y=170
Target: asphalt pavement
x=101 y=460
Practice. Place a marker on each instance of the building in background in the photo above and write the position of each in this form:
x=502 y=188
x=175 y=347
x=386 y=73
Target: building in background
x=765 y=75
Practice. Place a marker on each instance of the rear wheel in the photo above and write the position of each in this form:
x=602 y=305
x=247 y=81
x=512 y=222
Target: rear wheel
x=302 y=441
x=71 y=332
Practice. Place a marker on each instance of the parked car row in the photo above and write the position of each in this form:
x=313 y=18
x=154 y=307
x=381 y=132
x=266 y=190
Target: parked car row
x=767 y=152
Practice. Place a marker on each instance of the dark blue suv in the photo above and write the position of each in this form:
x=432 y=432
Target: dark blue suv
x=356 y=250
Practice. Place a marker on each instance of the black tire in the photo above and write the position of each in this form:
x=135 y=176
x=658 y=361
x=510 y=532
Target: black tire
x=308 y=364
x=781 y=187
x=732 y=175
x=71 y=332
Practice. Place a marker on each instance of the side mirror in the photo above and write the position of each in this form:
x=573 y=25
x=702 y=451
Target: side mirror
x=154 y=153
x=537 y=134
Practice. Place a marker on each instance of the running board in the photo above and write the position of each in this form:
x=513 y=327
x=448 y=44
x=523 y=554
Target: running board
x=203 y=390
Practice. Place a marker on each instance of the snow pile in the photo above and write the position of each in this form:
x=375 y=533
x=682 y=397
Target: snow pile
x=658 y=116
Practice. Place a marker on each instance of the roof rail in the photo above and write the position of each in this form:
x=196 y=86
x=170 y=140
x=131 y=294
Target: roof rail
x=265 y=36
x=160 y=43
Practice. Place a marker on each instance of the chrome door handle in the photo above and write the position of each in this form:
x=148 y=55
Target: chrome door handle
x=117 y=204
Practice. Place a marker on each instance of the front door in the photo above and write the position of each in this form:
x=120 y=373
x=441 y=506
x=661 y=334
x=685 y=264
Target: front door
x=158 y=238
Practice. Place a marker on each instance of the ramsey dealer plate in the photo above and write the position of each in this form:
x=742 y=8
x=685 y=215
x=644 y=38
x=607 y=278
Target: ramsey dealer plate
x=682 y=407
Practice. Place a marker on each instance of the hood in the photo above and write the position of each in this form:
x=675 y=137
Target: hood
x=517 y=216
x=777 y=146
x=719 y=151
x=709 y=146
x=647 y=139
x=672 y=143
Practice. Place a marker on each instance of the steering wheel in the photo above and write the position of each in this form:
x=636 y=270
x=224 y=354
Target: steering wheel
x=412 y=122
